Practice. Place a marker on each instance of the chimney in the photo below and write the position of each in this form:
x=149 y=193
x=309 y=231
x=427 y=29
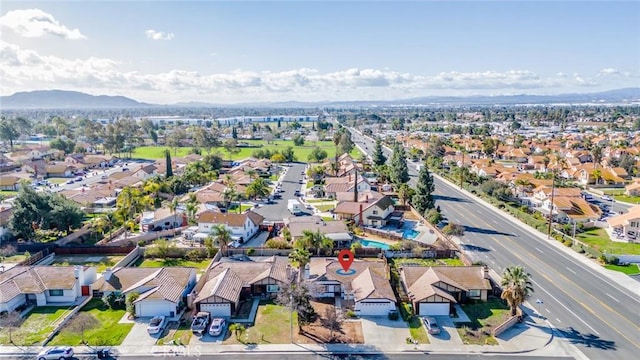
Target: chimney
x=361 y=222
x=485 y=272
x=107 y=274
x=349 y=177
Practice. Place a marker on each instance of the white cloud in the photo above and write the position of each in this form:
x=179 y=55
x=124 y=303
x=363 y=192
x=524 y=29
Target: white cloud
x=34 y=23
x=25 y=69
x=609 y=71
x=158 y=35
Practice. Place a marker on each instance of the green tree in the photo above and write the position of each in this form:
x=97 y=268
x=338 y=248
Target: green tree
x=423 y=198
x=316 y=240
x=516 y=286
x=296 y=297
x=167 y=158
x=298 y=140
x=130 y=303
x=317 y=154
x=11 y=129
x=405 y=192
x=399 y=171
x=222 y=236
x=299 y=258
x=237 y=329
x=378 y=156
x=288 y=154
x=433 y=216
x=63 y=145
x=258 y=189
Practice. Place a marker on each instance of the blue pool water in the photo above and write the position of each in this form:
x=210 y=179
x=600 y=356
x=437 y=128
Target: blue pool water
x=410 y=234
x=374 y=244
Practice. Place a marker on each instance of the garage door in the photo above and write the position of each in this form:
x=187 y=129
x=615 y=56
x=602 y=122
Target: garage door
x=374 y=308
x=154 y=309
x=434 y=309
x=217 y=309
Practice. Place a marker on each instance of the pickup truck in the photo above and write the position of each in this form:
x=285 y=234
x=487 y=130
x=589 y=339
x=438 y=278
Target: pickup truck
x=200 y=323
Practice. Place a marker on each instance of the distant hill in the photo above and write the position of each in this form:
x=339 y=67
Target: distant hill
x=62 y=99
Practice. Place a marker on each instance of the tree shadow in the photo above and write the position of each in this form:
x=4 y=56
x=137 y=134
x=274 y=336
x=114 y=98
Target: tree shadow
x=473 y=229
x=448 y=198
x=475 y=248
x=588 y=340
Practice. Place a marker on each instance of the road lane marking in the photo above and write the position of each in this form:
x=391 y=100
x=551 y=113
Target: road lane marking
x=574 y=273
x=540 y=251
x=558 y=320
x=612 y=297
x=566 y=308
x=547 y=310
x=492 y=248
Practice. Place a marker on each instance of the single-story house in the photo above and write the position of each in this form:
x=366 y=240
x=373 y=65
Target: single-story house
x=163 y=291
x=44 y=285
x=434 y=290
x=9 y=182
x=365 y=285
x=234 y=279
x=632 y=189
x=5 y=215
x=571 y=209
x=333 y=229
x=242 y=226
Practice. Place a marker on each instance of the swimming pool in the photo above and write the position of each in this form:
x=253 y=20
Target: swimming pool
x=374 y=244
x=410 y=234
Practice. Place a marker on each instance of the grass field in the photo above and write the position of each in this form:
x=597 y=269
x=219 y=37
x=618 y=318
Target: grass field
x=107 y=331
x=35 y=328
x=301 y=152
x=631 y=269
x=599 y=240
x=101 y=262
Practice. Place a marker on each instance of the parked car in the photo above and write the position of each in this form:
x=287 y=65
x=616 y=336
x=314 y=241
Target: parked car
x=78 y=179
x=58 y=352
x=432 y=325
x=217 y=326
x=200 y=323
x=70 y=181
x=301 y=181
x=103 y=177
x=156 y=325
x=607 y=198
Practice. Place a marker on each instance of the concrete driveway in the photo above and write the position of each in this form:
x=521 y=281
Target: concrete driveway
x=448 y=333
x=384 y=333
x=138 y=335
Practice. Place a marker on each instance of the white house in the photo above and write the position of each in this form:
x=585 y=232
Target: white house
x=145 y=171
x=162 y=217
x=626 y=225
x=365 y=284
x=163 y=291
x=241 y=226
x=44 y=285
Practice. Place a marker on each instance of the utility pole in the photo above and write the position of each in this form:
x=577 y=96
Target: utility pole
x=462 y=170
x=553 y=190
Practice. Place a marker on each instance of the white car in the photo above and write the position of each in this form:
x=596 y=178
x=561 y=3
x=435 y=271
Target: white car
x=56 y=353
x=156 y=325
x=217 y=326
x=606 y=198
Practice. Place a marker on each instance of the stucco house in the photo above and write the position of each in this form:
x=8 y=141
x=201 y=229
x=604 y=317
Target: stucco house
x=44 y=285
x=365 y=286
x=632 y=189
x=162 y=218
x=625 y=226
x=373 y=213
x=434 y=290
x=242 y=226
x=9 y=182
x=163 y=291
x=333 y=229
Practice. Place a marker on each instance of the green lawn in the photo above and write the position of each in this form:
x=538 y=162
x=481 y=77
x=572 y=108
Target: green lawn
x=484 y=316
x=152 y=263
x=8 y=193
x=417 y=330
x=107 y=332
x=176 y=335
x=105 y=262
x=13 y=259
x=233 y=208
x=272 y=327
x=301 y=152
x=35 y=328
x=57 y=180
x=324 y=207
x=631 y=269
x=429 y=262
x=598 y=239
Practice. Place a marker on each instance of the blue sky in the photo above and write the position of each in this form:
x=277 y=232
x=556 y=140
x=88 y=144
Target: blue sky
x=227 y=52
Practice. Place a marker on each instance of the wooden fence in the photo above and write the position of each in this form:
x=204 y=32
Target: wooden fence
x=83 y=250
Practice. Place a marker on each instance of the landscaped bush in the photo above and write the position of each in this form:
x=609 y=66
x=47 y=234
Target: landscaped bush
x=250 y=251
x=393 y=315
x=194 y=255
x=350 y=314
x=278 y=244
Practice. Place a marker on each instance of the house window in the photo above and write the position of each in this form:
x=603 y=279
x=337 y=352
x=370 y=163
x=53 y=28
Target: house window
x=634 y=224
x=375 y=212
x=273 y=288
x=474 y=293
x=56 y=292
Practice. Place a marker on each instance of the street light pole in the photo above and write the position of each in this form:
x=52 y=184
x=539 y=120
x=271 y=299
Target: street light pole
x=553 y=191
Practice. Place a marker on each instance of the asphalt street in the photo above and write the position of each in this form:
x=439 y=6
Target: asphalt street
x=301 y=356
x=278 y=210
x=587 y=309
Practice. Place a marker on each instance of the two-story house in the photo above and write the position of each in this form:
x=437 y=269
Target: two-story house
x=625 y=226
x=373 y=213
x=241 y=226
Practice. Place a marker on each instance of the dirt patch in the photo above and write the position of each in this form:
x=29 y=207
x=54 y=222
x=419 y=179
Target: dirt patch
x=408 y=215
x=348 y=332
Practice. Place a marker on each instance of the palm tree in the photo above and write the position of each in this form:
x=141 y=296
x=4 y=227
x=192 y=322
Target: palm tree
x=299 y=258
x=516 y=286
x=404 y=193
x=173 y=206
x=101 y=223
x=252 y=174
x=222 y=236
x=316 y=240
x=258 y=189
x=597 y=175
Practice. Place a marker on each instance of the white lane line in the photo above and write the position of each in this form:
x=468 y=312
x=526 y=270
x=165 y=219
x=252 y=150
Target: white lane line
x=612 y=297
x=558 y=320
x=492 y=248
x=493 y=262
x=547 y=310
x=495 y=222
x=540 y=251
x=564 y=306
x=566 y=267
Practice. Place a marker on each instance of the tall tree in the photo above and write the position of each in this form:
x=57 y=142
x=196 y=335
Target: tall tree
x=296 y=297
x=516 y=286
x=422 y=200
x=167 y=158
x=378 y=155
x=299 y=258
x=399 y=171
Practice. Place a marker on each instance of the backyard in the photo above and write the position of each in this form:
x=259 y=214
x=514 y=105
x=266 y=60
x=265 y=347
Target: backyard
x=35 y=327
x=301 y=152
x=107 y=331
x=153 y=263
x=598 y=239
x=427 y=262
x=101 y=262
x=484 y=317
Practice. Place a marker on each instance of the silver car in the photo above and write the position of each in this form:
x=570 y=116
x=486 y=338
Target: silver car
x=217 y=326
x=56 y=353
x=156 y=325
x=432 y=325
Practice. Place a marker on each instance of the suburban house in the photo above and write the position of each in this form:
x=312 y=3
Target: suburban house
x=333 y=229
x=44 y=285
x=5 y=215
x=60 y=170
x=335 y=185
x=162 y=218
x=632 y=189
x=145 y=171
x=242 y=226
x=434 y=290
x=374 y=212
x=365 y=286
x=568 y=209
x=9 y=182
x=238 y=278
x=625 y=226
x=163 y=291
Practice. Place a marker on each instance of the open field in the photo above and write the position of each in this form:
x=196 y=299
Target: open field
x=101 y=262
x=106 y=332
x=599 y=240
x=301 y=152
x=35 y=328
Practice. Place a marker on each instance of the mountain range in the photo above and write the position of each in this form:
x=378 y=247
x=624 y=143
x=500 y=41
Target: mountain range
x=63 y=99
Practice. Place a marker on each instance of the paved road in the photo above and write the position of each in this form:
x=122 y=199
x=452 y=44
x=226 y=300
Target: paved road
x=590 y=311
x=290 y=183
x=263 y=356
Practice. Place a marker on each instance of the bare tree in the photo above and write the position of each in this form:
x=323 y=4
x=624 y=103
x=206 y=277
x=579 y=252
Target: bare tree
x=10 y=321
x=332 y=320
x=82 y=321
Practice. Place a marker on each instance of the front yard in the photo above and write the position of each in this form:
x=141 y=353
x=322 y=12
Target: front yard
x=619 y=195
x=484 y=317
x=416 y=328
x=598 y=239
x=176 y=334
x=35 y=327
x=106 y=332
x=631 y=269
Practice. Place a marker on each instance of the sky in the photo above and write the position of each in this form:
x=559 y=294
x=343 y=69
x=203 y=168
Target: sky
x=166 y=52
